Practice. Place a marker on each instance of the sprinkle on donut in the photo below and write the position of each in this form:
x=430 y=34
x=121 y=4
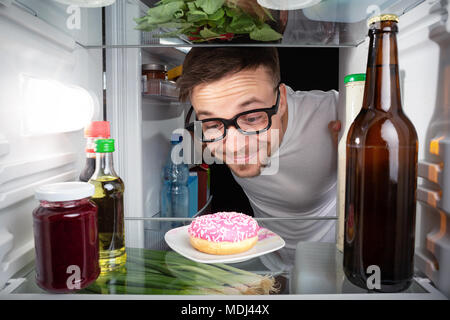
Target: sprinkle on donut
x=224 y=226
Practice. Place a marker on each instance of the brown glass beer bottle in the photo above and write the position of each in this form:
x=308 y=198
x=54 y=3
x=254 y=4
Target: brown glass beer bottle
x=381 y=180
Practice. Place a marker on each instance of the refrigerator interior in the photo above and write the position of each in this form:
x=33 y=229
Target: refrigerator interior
x=50 y=47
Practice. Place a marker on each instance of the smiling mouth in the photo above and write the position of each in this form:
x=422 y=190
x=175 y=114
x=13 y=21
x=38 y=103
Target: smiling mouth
x=245 y=159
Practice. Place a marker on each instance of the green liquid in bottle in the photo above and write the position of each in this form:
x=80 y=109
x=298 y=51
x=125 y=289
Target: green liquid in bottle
x=108 y=197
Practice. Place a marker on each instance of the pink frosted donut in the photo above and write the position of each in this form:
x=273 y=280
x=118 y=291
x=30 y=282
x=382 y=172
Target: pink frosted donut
x=223 y=233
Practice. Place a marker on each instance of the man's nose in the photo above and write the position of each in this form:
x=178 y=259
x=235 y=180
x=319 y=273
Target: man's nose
x=233 y=133
x=235 y=140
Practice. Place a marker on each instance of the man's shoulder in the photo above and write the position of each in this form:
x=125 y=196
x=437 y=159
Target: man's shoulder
x=315 y=98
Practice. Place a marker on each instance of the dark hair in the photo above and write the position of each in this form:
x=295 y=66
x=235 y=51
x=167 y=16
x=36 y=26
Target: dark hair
x=204 y=65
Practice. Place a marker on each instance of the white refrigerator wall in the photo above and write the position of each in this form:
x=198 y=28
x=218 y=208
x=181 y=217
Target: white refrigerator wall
x=38 y=57
x=424 y=61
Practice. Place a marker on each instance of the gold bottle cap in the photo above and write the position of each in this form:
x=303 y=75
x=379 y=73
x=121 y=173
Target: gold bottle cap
x=383 y=17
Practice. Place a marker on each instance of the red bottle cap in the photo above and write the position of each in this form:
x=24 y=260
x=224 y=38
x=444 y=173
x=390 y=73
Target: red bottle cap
x=97 y=129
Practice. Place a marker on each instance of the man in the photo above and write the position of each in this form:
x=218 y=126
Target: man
x=237 y=95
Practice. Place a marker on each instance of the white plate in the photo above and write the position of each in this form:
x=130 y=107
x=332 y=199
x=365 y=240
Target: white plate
x=178 y=240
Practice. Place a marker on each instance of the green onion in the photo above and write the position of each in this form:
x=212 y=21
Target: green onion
x=167 y=272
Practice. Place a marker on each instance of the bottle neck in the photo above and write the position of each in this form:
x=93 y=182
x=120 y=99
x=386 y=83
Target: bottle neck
x=104 y=165
x=382 y=76
x=91 y=145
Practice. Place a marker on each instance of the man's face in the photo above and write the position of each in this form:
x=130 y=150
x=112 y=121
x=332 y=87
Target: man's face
x=234 y=94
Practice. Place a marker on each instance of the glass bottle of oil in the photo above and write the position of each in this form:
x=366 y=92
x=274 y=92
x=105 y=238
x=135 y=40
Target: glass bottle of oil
x=108 y=196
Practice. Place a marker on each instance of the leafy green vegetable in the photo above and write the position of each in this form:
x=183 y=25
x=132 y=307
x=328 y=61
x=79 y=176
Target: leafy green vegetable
x=145 y=26
x=167 y=272
x=196 y=15
x=265 y=33
x=164 y=12
x=205 y=20
x=231 y=12
x=164 y=2
x=220 y=23
x=191 y=6
x=216 y=15
x=209 y=6
x=178 y=14
x=241 y=24
x=207 y=33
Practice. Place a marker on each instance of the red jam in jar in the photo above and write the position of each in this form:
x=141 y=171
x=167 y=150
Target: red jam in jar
x=66 y=237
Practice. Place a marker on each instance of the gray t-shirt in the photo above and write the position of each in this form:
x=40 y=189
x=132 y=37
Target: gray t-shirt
x=305 y=183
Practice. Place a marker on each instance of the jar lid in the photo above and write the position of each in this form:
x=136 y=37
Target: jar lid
x=355 y=77
x=383 y=17
x=64 y=191
x=97 y=129
x=105 y=145
x=154 y=67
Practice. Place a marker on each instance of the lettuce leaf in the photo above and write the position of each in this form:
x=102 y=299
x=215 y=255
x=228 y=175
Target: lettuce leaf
x=164 y=12
x=216 y=15
x=243 y=23
x=196 y=15
x=265 y=33
x=208 y=33
x=209 y=6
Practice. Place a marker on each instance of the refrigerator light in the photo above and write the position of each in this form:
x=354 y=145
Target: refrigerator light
x=52 y=107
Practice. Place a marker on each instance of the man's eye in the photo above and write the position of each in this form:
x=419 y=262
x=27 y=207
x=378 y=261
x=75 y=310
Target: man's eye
x=252 y=119
x=210 y=126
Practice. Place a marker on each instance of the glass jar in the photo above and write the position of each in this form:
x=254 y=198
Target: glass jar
x=66 y=237
x=153 y=71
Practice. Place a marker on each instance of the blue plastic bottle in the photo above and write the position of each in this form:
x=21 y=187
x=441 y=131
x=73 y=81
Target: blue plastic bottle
x=174 y=191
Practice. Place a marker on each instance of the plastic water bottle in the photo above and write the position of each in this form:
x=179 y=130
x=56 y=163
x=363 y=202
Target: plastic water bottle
x=174 y=191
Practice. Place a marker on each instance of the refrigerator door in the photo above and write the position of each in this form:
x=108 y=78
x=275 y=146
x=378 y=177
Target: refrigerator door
x=50 y=86
x=424 y=52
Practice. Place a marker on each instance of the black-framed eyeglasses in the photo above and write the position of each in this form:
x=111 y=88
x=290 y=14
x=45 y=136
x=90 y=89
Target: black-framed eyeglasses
x=249 y=122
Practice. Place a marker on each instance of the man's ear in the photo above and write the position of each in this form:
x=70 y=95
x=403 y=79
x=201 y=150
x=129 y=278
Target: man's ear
x=283 y=99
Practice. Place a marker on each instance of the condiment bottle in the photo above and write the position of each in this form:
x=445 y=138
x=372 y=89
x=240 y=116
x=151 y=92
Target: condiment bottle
x=108 y=196
x=93 y=131
x=354 y=85
x=152 y=71
x=65 y=237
